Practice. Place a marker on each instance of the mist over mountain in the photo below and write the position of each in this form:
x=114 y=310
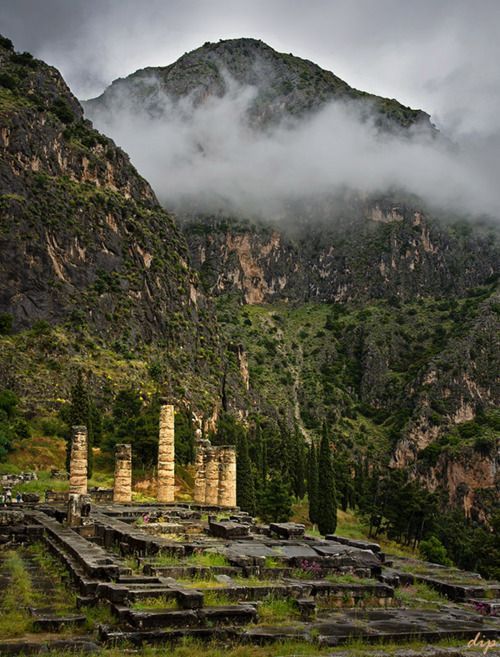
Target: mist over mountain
x=236 y=127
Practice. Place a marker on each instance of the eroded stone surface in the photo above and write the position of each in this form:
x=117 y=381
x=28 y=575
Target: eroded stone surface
x=166 y=455
x=78 y=462
x=122 y=490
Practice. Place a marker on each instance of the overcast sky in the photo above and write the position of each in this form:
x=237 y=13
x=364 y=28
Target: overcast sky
x=439 y=55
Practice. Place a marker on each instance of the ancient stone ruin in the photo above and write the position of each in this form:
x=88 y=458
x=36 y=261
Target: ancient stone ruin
x=166 y=455
x=165 y=571
x=215 y=479
x=122 y=490
x=79 y=462
x=215 y=468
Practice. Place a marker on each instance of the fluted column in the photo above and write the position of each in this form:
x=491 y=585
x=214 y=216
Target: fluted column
x=166 y=455
x=78 y=462
x=212 y=476
x=200 y=483
x=122 y=489
x=227 y=477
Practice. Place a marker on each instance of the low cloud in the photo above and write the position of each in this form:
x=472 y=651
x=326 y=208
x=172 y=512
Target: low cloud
x=206 y=157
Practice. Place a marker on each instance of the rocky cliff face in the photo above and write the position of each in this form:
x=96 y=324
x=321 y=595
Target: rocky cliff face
x=385 y=251
x=83 y=238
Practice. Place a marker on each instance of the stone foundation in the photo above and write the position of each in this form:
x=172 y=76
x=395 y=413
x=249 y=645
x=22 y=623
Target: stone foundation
x=78 y=462
x=166 y=455
x=122 y=489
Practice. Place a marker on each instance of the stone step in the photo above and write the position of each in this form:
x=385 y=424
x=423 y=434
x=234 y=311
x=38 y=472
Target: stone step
x=161 y=618
x=168 y=636
x=74 y=645
x=56 y=623
x=238 y=614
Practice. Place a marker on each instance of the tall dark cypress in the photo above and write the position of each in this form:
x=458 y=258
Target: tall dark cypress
x=327 y=499
x=80 y=414
x=299 y=466
x=312 y=484
x=245 y=487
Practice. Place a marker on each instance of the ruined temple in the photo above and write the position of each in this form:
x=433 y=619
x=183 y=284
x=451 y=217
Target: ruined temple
x=215 y=467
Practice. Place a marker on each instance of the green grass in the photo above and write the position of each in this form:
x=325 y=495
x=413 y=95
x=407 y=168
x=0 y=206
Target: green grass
x=204 y=559
x=419 y=596
x=211 y=582
x=155 y=603
x=15 y=619
x=189 y=647
x=217 y=599
x=348 y=578
x=278 y=612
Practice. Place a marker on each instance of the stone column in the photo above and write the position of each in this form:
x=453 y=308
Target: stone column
x=212 y=476
x=166 y=455
x=227 y=477
x=79 y=462
x=200 y=483
x=122 y=489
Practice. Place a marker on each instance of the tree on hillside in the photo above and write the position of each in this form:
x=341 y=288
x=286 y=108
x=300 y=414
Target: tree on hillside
x=8 y=404
x=80 y=412
x=327 y=498
x=245 y=488
x=184 y=437
x=135 y=422
x=275 y=501
x=257 y=451
x=299 y=465
x=312 y=484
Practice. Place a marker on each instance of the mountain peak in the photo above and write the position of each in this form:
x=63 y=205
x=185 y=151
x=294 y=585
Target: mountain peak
x=285 y=85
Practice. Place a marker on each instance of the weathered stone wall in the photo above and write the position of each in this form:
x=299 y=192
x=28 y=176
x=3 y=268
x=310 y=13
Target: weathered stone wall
x=122 y=489
x=166 y=455
x=227 y=476
x=78 y=462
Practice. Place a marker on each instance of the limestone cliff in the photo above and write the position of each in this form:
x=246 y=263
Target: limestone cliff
x=82 y=238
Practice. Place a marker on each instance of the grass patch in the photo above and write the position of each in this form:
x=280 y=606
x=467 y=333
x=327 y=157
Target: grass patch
x=217 y=599
x=420 y=596
x=204 y=559
x=15 y=619
x=98 y=615
x=275 y=612
x=349 y=578
x=150 y=604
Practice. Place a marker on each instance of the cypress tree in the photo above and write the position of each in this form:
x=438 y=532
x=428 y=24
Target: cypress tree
x=245 y=487
x=275 y=502
x=327 y=498
x=80 y=413
x=299 y=463
x=313 y=484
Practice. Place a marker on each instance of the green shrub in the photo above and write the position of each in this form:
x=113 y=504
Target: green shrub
x=23 y=58
x=7 y=81
x=8 y=403
x=6 y=321
x=433 y=550
x=63 y=111
x=6 y=43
